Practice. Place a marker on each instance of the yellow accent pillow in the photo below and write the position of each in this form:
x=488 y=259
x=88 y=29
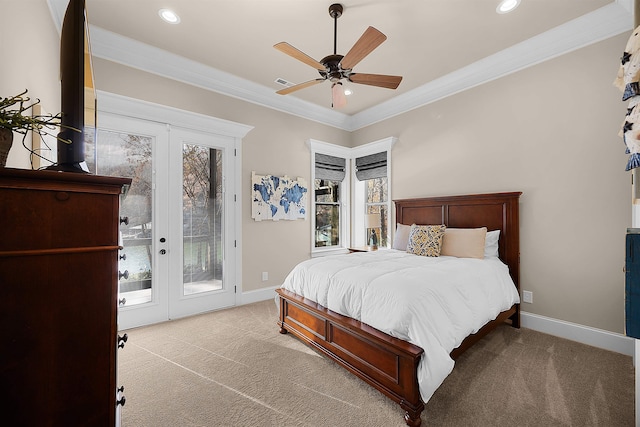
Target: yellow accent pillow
x=464 y=242
x=425 y=240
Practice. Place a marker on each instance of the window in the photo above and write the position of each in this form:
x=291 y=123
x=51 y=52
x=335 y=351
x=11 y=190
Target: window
x=327 y=195
x=339 y=220
x=371 y=170
x=371 y=189
x=329 y=175
x=330 y=206
x=376 y=203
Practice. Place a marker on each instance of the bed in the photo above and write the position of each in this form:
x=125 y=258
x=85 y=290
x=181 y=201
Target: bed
x=388 y=363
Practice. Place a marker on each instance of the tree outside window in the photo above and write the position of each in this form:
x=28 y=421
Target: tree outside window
x=327 y=199
x=377 y=197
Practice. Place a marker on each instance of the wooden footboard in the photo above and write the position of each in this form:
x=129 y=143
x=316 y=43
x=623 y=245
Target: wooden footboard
x=386 y=363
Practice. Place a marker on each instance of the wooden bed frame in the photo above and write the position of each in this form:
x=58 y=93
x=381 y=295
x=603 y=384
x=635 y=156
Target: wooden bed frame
x=387 y=363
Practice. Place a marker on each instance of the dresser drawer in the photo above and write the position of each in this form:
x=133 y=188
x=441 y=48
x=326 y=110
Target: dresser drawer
x=48 y=219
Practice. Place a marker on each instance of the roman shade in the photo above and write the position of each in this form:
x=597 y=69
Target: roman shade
x=371 y=166
x=330 y=167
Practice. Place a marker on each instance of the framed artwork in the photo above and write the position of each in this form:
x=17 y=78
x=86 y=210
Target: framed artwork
x=278 y=197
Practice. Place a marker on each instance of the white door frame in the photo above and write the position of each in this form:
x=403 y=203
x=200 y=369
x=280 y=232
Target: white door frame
x=137 y=109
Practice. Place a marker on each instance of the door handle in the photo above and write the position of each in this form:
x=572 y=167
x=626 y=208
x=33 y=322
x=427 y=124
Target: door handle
x=163 y=251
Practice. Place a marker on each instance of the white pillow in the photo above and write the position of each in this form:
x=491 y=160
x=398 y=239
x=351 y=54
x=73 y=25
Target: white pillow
x=401 y=238
x=491 y=243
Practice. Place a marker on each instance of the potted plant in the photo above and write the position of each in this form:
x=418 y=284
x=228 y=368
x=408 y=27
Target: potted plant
x=15 y=117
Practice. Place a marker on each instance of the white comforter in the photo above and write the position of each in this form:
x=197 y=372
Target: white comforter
x=432 y=302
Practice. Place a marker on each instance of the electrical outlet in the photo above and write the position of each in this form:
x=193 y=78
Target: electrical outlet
x=265 y=276
x=527 y=296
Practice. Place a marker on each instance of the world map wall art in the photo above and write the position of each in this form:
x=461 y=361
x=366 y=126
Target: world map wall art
x=278 y=197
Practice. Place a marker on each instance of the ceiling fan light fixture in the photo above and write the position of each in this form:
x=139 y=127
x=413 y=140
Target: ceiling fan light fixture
x=339 y=100
x=507 y=6
x=169 y=16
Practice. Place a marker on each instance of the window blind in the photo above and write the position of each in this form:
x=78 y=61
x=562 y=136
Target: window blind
x=371 y=166
x=330 y=167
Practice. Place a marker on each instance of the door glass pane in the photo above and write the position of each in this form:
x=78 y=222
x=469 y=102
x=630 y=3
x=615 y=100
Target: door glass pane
x=127 y=155
x=202 y=214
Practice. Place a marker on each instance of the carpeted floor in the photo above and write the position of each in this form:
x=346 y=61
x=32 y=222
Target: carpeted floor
x=233 y=368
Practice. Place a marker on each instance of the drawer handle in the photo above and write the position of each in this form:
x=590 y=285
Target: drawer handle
x=125 y=275
x=62 y=196
x=121 y=340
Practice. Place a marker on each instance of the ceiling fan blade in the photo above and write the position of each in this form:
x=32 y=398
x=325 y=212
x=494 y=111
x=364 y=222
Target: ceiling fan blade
x=285 y=47
x=380 y=80
x=369 y=40
x=299 y=86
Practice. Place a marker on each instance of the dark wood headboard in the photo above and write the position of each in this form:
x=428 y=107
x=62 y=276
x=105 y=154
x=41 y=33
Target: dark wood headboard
x=499 y=211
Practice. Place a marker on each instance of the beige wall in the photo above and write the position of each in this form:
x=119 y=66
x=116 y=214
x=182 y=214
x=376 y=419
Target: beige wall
x=549 y=131
x=30 y=47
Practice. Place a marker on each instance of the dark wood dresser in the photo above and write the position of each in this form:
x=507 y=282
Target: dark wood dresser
x=58 y=297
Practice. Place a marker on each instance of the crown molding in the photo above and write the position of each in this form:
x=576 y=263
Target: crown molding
x=601 y=24
x=608 y=21
x=132 y=53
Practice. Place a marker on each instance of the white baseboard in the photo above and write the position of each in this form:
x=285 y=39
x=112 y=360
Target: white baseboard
x=582 y=334
x=257 y=295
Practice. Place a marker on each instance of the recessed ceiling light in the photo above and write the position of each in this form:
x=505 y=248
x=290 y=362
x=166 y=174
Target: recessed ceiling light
x=169 y=16
x=507 y=6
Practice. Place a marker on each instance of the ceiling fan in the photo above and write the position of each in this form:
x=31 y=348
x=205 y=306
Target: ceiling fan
x=337 y=67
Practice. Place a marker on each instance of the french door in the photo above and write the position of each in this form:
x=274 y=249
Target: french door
x=177 y=219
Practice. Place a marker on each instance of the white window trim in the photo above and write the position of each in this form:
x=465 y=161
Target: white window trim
x=358 y=189
x=345 y=222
